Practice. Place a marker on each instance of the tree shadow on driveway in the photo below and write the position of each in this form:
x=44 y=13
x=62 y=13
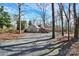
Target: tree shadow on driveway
x=29 y=49
x=65 y=48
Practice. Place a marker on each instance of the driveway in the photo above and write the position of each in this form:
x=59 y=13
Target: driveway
x=32 y=44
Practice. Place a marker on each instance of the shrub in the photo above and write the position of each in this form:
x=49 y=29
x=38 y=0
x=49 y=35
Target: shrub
x=7 y=31
x=1 y=31
x=11 y=31
x=23 y=25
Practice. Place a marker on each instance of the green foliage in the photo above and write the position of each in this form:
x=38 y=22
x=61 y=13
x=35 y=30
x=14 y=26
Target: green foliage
x=2 y=31
x=4 y=18
x=30 y=23
x=7 y=30
x=11 y=31
x=23 y=25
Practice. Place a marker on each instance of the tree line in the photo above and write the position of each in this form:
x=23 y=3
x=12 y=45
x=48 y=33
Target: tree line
x=68 y=18
x=71 y=10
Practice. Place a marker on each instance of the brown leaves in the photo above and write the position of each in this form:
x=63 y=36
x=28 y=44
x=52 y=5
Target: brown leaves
x=9 y=36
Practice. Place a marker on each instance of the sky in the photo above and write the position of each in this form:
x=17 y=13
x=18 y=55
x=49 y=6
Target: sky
x=31 y=11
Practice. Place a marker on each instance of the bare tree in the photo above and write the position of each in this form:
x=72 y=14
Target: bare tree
x=43 y=13
x=67 y=17
x=19 y=15
x=61 y=15
x=75 y=22
x=68 y=21
x=53 y=22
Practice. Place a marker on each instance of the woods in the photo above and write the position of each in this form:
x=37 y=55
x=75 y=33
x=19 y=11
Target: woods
x=64 y=13
x=68 y=17
x=55 y=25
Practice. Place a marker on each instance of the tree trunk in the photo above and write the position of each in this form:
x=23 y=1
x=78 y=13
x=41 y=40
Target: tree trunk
x=19 y=7
x=53 y=22
x=68 y=22
x=75 y=22
x=61 y=13
x=44 y=22
x=61 y=16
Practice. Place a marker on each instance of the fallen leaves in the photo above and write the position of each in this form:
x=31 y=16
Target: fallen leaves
x=9 y=36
